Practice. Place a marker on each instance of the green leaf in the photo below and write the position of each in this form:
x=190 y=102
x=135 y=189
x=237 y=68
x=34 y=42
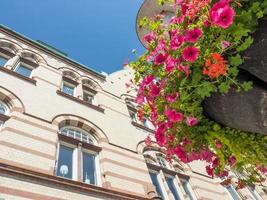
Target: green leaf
x=205 y=89
x=247 y=85
x=233 y=71
x=246 y=44
x=224 y=87
x=236 y=60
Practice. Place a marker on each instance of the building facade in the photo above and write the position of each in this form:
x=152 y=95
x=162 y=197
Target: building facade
x=70 y=133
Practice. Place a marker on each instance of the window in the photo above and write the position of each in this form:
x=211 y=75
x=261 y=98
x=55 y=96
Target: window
x=88 y=97
x=232 y=192
x=77 y=156
x=68 y=88
x=155 y=181
x=4 y=112
x=162 y=162
x=170 y=183
x=133 y=116
x=254 y=193
x=88 y=168
x=77 y=134
x=24 y=70
x=3 y=108
x=3 y=60
x=187 y=189
x=65 y=162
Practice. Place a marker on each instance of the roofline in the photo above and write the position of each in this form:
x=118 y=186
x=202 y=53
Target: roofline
x=47 y=50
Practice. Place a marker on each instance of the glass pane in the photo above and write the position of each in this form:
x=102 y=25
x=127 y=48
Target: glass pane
x=162 y=162
x=155 y=182
x=68 y=89
x=24 y=71
x=186 y=189
x=2 y=109
x=132 y=115
x=172 y=188
x=89 y=173
x=88 y=97
x=84 y=138
x=65 y=162
x=254 y=193
x=78 y=135
x=2 y=61
x=232 y=192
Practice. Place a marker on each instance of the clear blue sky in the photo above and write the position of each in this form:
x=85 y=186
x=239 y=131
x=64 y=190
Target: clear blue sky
x=98 y=33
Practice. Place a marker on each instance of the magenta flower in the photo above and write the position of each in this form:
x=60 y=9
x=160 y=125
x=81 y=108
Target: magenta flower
x=223 y=174
x=191 y=121
x=183 y=69
x=177 y=20
x=173 y=116
x=154 y=90
x=215 y=162
x=172 y=97
x=225 y=44
x=210 y=171
x=159 y=134
x=218 y=144
x=190 y=53
x=147 y=79
x=180 y=152
x=170 y=64
x=262 y=169
x=193 y=35
x=160 y=58
x=176 y=42
x=232 y=160
x=221 y=14
x=149 y=37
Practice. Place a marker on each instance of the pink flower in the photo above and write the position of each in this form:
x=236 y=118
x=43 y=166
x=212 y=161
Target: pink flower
x=223 y=174
x=139 y=99
x=176 y=42
x=183 y=69
x=210 y=171
x=180 y=152
x=160 y=58
x=172 y=97
x=232 y=160
x=191 y=121
x=206 y=24
x=218 y=144
x=147 y=79
x=159 y=134
x=190 y=54
x=193 y=35
x=262 y=169
x=215 y=162
x=148 y=141
x=225 y=44
x=154 y=90
x=170 y=64
x=177 y=20
x=173 y=116
x=149 y=37
x=222 y=14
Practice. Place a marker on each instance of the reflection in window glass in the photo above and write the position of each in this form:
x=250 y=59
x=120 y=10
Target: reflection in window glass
x=23 y=70
x=154 y=178
x=172 y=188
x=65 y=162
x=89 y=173
x=68 y=89
x=88 y=97
x=3 y=61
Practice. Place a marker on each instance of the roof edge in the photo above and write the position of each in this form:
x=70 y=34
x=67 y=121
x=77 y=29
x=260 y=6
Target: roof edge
x=43 y=47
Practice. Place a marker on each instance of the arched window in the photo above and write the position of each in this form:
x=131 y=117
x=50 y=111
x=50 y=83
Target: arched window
x=77 y=134
x=5 y=55
x=4 y=112
x=162 y=161
x=89 y=91
x=78 y=155
x=69 y=83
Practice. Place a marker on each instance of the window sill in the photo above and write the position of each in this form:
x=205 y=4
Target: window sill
x=167 y=171
x=142 y=127
x=80 y=101
x=24 y=78
x=4 y=117
x=70 y=140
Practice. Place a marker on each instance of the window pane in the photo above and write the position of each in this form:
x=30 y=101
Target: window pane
x=2 y=61
x=162 y=162
x=89 y=173
x=172 y=188
x=254 y=193
x=232 y=192
x=186 y=189
x=65 y=162
x=155 y=182
x=88 y=97
x=2 y=109
x=68 y=89
x=24 y=71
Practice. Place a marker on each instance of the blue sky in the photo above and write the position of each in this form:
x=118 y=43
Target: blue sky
x=98 y=33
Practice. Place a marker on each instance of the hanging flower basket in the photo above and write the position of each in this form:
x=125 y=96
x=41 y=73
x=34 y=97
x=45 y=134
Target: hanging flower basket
x=192 y=63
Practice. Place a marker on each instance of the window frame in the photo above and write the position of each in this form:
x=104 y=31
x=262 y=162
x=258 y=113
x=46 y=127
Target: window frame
x=89 y=94
x=161 y=184
x=25 y=65
x=69 y=85
x=5 y=57
x=176 y=185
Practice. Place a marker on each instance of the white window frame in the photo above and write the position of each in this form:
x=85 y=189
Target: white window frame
x=176 y=185
x=6 y=108
x=162 y=159
x=82 y=132
x=74 y=159
x=188 y=185
x=97 y=165
x=26 y=66
x=91 y=94
x=68 y=85
x=161 y=183
x=6 y=57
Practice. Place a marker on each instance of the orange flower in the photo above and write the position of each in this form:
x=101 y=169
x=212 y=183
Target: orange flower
x=215 y=66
